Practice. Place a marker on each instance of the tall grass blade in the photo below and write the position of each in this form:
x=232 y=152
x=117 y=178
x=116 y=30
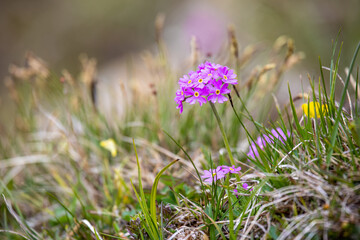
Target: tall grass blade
x=151 y=227
x=187 y=155
x=154 y=189
x=332 y=73
x=339 y=111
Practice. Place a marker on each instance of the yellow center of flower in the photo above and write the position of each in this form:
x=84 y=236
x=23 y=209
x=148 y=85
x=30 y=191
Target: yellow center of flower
x=189 y=81
x=182 y=92
x=196 y=94
x=209 y=74
x=217 y=91
x=200 y=80
x=214 y=174
x=231 y=169
x=225 y=77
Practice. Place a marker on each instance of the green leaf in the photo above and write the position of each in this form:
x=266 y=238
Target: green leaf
x=154 y=189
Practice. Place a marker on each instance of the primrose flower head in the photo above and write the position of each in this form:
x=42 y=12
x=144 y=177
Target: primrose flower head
x=209 y=83
x=265 y=139
x=312 y=109
x=109 y=145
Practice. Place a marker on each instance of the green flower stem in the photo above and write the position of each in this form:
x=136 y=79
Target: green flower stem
x=226 y=142
x=231 y=213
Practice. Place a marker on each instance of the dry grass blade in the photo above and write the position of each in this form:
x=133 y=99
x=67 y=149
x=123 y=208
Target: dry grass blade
x=24 y=160
x=33 y=234
x=92 y=229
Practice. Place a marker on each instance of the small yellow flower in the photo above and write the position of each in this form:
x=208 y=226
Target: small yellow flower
x=314 y=108
x=109 y=145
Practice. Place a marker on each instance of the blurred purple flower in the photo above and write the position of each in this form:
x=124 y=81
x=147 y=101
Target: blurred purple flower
x=180 y=97
x=180 y=107
x=264 y=139
x=236 y=192
x=208 y=26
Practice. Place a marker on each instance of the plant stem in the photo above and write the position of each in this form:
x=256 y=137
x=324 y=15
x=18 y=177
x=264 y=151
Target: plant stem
x=226 y=142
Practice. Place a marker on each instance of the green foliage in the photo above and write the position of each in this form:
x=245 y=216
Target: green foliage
x=152 y=226
x=58 y=183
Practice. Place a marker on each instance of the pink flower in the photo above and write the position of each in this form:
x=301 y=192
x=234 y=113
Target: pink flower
x=213 y=66
x=231 y=169
x=180 y=107
x=197 y=95
x=209 y=83
x=208 y=75
x=227 y=75
x=188 y=81
x=217 y=91
x=200 y=81
x=180 y=95
x=213 y=175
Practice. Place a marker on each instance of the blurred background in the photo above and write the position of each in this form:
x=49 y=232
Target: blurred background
x=59 y=31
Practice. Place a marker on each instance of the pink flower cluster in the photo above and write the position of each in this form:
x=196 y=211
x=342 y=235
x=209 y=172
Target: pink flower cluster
x=219 y=173
x=209 y=83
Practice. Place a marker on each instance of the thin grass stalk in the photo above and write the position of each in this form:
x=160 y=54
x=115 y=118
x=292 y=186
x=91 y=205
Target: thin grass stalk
x=154 y=189
x=190 y=159
x=356 y=93
x=231 y=213
x=332 y=78
x=240 y=120
x=338 y=114
x=226 y=142
x=315 y=128
x=323 y=81
x=151 y=226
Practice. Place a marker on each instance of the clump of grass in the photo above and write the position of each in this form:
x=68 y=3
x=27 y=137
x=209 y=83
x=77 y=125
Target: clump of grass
x=66 y=170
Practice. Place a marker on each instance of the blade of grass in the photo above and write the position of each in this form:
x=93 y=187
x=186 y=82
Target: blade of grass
x=338 y=114
x=298 y=127
x=356 y=92
x=154 y=189
x=332 y=75
x=151 y=227
x=187 y=155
